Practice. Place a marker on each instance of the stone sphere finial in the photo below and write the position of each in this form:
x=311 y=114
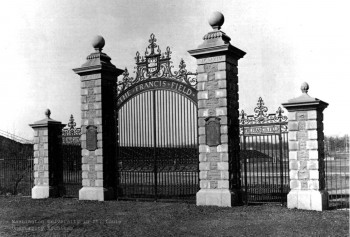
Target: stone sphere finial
x=216 y=20
x=304 y=87
x=47 y=113
x=98 y=42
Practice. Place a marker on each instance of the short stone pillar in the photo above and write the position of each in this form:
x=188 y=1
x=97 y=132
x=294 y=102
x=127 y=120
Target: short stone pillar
x=306 y=152
x=48 y=175
x=98 y=134
x=218 y=125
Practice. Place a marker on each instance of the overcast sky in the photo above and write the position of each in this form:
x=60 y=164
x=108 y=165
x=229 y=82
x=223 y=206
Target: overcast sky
x=287 y=43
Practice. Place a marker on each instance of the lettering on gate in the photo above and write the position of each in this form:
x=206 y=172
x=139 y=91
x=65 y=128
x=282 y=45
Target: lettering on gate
x=262 y=129
x=154 y=84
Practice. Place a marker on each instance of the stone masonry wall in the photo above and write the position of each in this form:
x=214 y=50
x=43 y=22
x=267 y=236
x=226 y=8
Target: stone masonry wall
x=41 y=157
x=98 y=165
x=217 y=96
x=306 y=149
x=91 y=111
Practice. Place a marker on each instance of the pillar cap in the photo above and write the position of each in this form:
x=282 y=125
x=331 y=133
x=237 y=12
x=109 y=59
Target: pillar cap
x=46 y=121
x=98 y=43
x=304 y=101
x=98 y=60
x=216 y=41
x=216 y=20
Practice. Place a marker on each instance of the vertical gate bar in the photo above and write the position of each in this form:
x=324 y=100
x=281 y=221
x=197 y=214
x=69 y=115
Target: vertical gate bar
x=172 y=137
x=192 y=182
x=150 y=137
x=253 y=184
x=135 y=174
x=260 y=170
x=271 y=175
x=264 y=166
x=167 y=116
x=281 y=159
x=276 y=163
x=183 y=146
x=130 y=187
x=245 y=164
x=155 y=144
x=250 y=168
x=180 y=140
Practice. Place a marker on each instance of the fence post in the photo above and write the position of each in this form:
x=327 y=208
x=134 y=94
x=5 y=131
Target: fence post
x=98 y=134
x=218 y=126
x=48 y=177
x=306 y=152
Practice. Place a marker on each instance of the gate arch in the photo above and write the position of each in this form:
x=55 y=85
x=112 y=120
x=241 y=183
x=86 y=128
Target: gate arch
x=157 y=149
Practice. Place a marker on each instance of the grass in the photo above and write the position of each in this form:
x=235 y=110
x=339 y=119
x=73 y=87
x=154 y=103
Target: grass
x=21 y=216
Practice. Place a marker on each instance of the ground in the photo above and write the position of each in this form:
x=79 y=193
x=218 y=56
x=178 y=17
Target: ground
x=22 y=216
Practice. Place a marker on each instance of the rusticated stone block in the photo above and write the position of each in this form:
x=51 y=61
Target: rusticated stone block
x=223 y=184
x=293 y=155
x=313 y=185
x=222 y=165
x=204 y=148
x=312 y=145
x=312 y=114
x=222 y=148
x=312 y=165
x=303 y=174
x=292 y=116
x=220 y=75
x=221 y=111
x=221 y=93
x=314 y=174
x=293 y=174
x=203 y=95
x=293 y=145
x=311 y=124
x=293 y=126
x=224 y=156
x=294 y=165
x=295 y=184
x=204 y=184
x=203 y=174
x=202 y=77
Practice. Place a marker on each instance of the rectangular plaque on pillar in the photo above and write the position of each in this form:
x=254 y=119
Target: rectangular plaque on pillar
x=212 y=131
x=91 y=138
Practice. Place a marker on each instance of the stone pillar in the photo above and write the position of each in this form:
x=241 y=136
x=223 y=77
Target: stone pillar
x=218 y=125
x=98 y=134
x=306 y=152
x=48 y=177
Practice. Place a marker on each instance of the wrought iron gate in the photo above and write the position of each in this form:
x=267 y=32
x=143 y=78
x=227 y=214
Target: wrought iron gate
x=264 y=155
x=71 y=157
x=157 y=149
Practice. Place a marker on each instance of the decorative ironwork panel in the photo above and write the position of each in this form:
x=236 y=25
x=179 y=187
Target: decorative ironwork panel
x=71 y=135
x=155 y=64
x=264 y=154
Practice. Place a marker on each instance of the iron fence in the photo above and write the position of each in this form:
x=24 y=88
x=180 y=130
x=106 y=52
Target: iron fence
x=337 y=178
x=16 y=175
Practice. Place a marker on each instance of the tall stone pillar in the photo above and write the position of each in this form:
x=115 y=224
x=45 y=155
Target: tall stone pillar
x=306 y=152
x=218 y=125
x=98 y=134
x=48 y=177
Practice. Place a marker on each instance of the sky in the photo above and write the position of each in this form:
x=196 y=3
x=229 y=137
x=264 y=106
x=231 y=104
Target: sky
x=287 y=43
